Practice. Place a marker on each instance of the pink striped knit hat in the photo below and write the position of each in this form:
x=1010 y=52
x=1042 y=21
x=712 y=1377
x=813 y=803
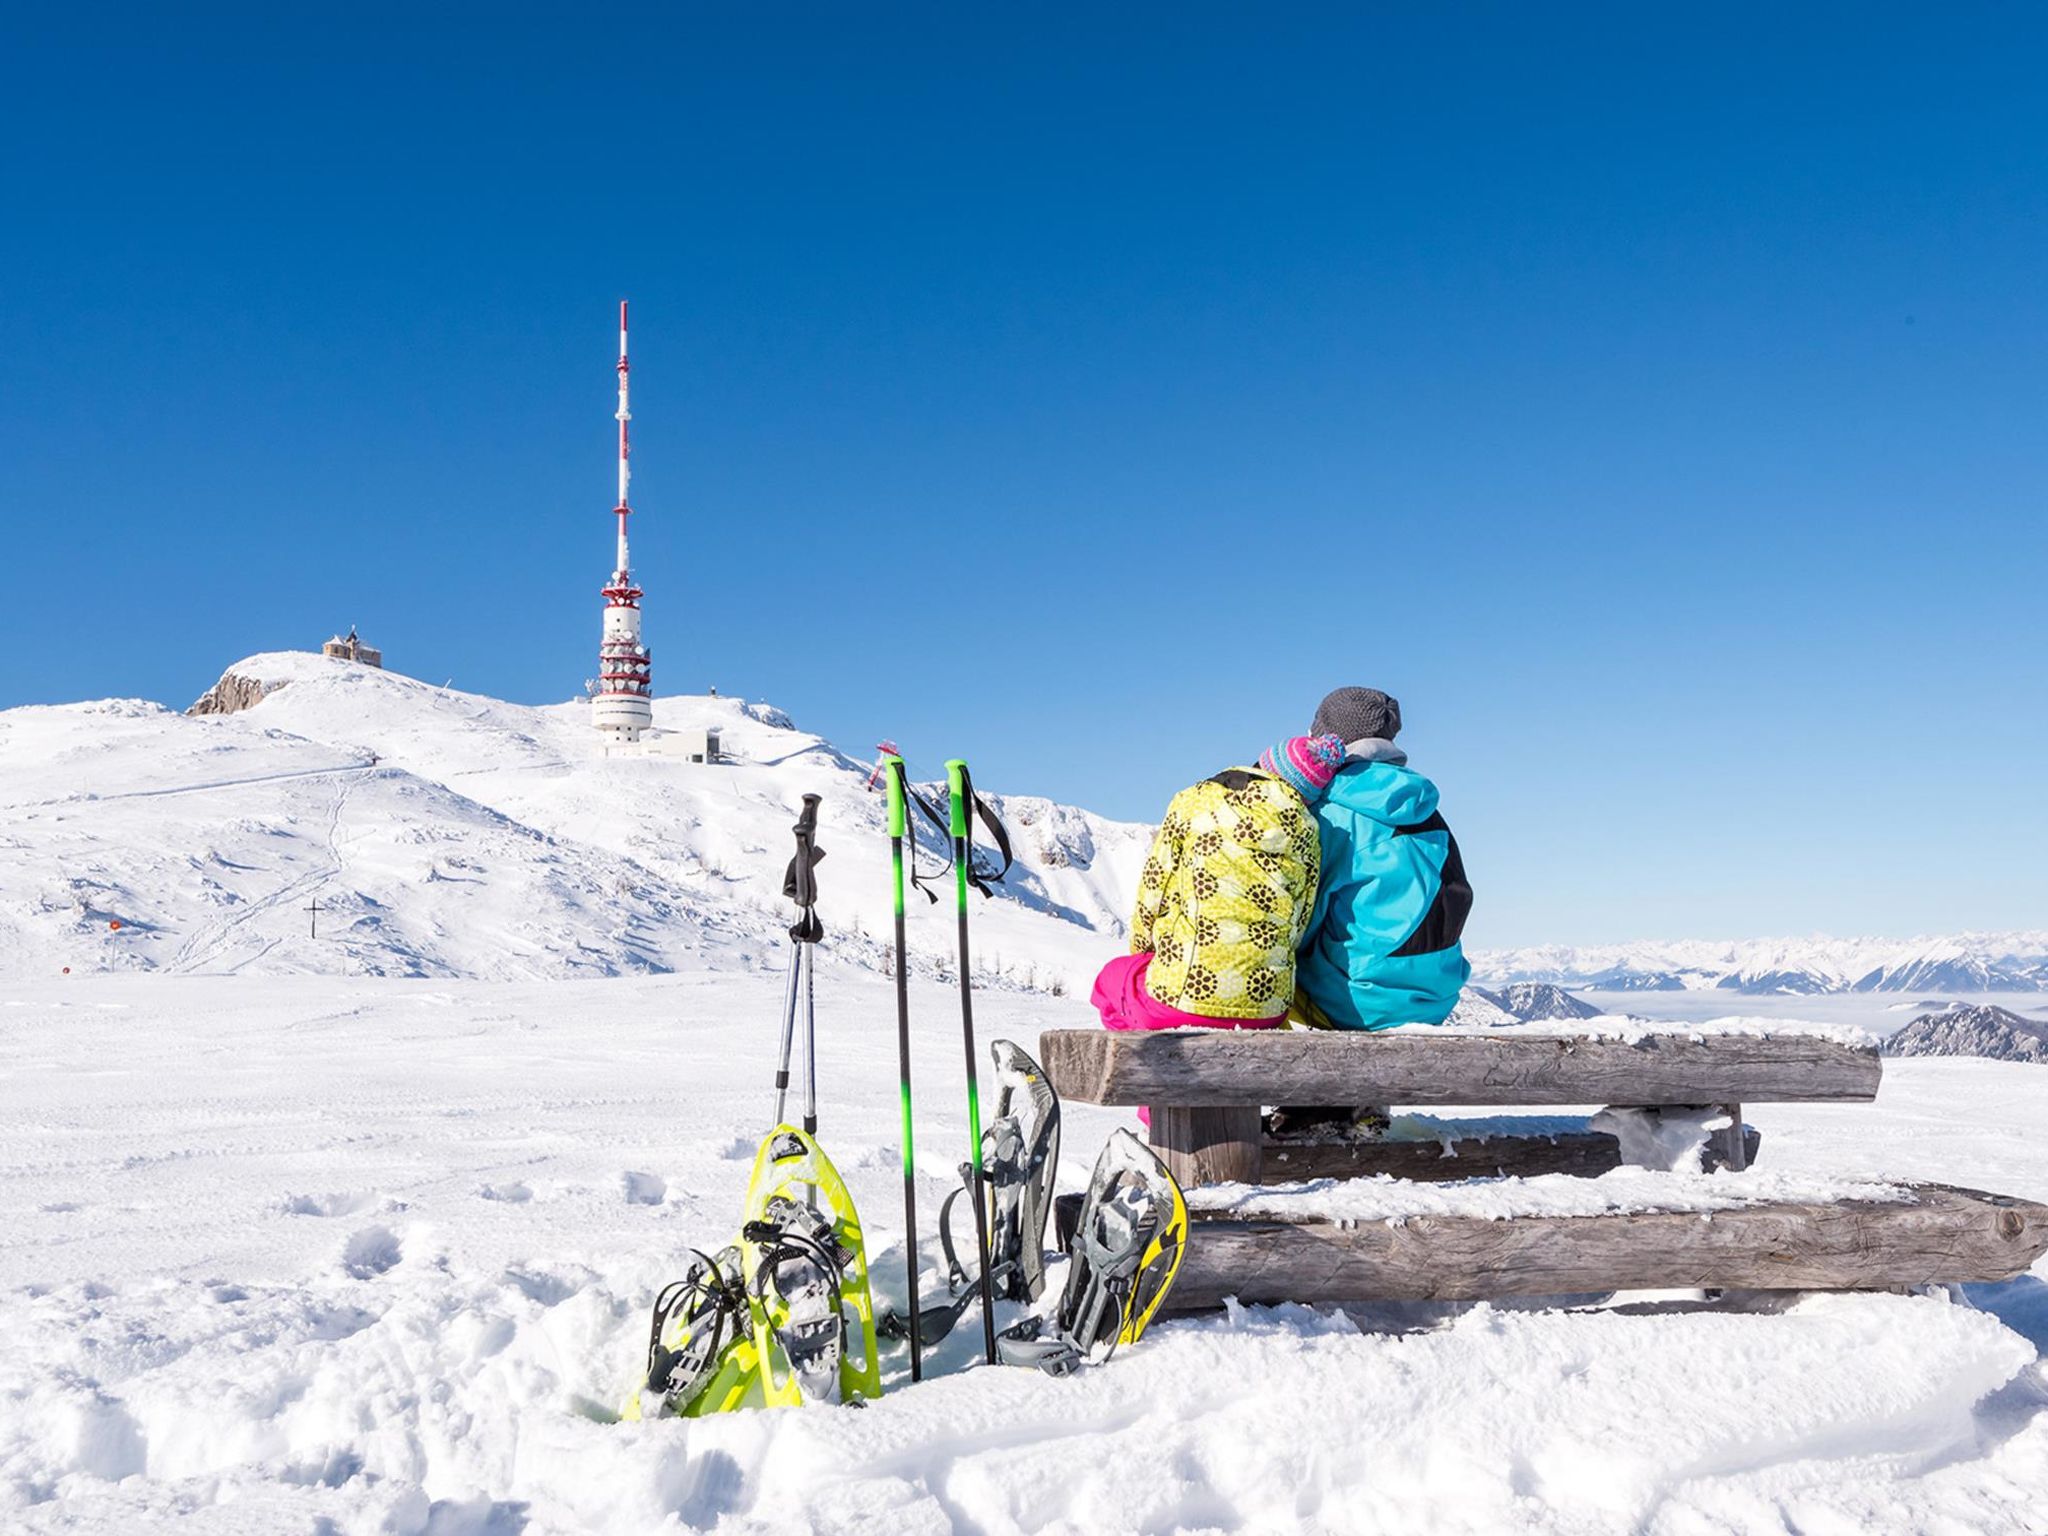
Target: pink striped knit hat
x=1306 y=764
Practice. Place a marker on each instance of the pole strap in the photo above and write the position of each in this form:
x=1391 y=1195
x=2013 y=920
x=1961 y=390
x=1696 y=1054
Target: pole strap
x=983 y=879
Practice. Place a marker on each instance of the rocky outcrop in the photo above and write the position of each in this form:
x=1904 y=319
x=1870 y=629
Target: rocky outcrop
x=1479 y=1009
x=231 y=695
x=1997 y=1033
x=1533 y=1000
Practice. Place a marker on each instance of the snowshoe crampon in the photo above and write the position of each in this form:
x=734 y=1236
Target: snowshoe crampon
x=701 y=1356
x=807 y=1287
x=1125 y=1252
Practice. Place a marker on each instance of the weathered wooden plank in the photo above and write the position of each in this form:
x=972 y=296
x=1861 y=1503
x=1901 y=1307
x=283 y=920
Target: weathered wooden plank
x=1428 y=1066
x=1208 y=1146
x=1586 y=1154
x=1943 y=1236
x=1582 y=1154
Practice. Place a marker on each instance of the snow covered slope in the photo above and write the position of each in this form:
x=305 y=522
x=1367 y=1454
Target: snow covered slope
x=323 y=1256
x=1997 y=1033
x=451 y=835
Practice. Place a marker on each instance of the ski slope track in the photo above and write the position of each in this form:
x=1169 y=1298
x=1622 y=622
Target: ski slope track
x=448 y=835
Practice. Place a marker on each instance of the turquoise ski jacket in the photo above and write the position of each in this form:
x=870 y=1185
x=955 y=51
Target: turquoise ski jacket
x=1382 y=946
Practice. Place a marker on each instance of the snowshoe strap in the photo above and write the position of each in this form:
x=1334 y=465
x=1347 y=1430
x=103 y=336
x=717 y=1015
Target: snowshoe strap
x=1027 y=1344
x=713 y=1302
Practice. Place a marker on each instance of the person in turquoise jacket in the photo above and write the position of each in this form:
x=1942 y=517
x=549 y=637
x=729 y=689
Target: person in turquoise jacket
x=1383 y=942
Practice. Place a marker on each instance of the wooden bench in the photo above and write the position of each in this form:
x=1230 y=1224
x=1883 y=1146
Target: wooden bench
x=1205 y=1089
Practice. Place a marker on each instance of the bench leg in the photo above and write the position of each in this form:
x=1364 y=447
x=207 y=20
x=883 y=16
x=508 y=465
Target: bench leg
x=1207 y=1145
x=1732 y=1149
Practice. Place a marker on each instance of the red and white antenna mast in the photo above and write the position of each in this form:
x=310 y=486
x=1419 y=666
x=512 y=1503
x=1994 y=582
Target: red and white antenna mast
x=623 y=707
x=625 y=415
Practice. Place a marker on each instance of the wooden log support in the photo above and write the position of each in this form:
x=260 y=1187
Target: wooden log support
x=1727 y=1148
x=1208 y=1146
x=1582 y=1154
x=1942 y=1236
x=1233 y=1068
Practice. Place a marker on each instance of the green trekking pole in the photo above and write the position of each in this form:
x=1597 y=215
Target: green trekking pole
x=899 y=828
x=960 y=791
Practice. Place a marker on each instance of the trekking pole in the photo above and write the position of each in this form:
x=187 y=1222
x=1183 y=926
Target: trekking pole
x=960 y=791
x=796 y=961
x=801 y=886
x=899 y=827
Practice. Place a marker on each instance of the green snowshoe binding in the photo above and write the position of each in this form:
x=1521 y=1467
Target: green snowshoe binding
x=1122 y=1259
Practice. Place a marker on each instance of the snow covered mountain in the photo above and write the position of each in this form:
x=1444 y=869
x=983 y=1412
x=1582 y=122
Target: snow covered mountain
x=443 y=833
x=446 y=834
x=1997 y=1033
x=1973 y=962
x=1530 y=1001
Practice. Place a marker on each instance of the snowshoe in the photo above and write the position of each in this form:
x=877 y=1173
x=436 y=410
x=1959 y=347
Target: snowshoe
x=1020 y=1153
x=700 y=1352
x=1127 y=1245
x=1021 y=1166
x=807 y=1291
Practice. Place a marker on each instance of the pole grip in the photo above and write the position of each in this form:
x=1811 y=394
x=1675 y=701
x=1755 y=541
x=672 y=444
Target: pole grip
x=956 y=793
x=899 y=819
x=802 y=882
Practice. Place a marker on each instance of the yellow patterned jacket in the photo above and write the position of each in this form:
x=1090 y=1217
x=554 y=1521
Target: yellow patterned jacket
x=1226 y=895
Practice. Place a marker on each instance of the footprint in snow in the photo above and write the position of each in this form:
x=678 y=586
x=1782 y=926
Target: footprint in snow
x=546 y=1288
x=643 y=1188
x=514 y=1193
x=323 y=1205
x=370 y=1253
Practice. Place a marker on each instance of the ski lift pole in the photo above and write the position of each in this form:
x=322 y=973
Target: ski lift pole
x=899 y=828
x=960 y=792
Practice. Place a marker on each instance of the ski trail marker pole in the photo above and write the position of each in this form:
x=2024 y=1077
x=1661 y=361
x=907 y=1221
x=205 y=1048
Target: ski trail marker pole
x=960 y=791
x=899 y=828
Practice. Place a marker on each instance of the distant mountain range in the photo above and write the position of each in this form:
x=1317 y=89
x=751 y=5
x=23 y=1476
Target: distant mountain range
x=1962 y=963
x=1997 y=1033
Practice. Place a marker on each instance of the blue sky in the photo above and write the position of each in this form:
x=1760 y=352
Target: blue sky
x=1651 y=397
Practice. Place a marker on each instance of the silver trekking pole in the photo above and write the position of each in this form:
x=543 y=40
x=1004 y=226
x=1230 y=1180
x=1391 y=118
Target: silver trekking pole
x=800 y=884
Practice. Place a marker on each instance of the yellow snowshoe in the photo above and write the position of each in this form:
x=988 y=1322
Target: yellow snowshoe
x=807 y=1287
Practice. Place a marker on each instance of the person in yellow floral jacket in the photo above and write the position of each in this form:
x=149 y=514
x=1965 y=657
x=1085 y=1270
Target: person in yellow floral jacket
x=1225 y=898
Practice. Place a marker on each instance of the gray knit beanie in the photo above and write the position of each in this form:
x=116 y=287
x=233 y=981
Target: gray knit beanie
x=1357 y=714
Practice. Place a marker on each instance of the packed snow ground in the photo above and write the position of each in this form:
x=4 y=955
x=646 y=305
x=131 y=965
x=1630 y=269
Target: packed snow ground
x=339 y=1256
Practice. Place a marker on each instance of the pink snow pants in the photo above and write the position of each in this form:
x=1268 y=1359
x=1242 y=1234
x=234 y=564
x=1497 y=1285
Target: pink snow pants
x=1120 y=997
